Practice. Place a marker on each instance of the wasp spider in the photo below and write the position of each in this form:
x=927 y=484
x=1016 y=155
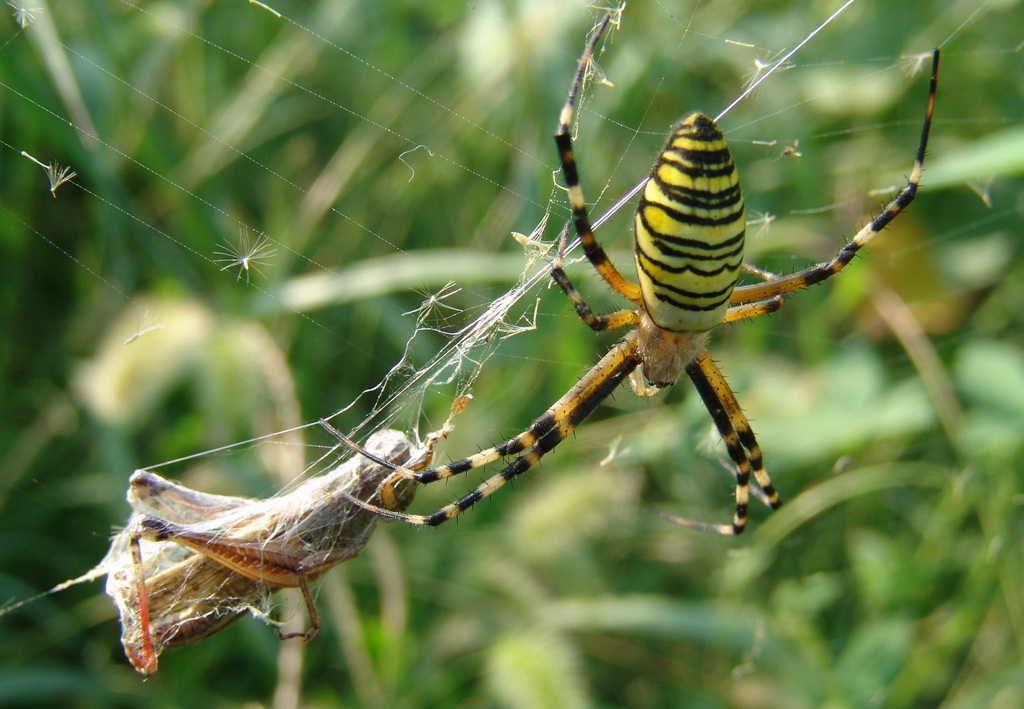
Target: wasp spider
x=688 y=246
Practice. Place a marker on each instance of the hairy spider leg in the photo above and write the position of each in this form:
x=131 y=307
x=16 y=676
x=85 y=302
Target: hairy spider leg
x=546 y=432
x=826 y=269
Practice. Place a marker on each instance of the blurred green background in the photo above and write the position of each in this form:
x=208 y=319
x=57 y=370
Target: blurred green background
x=889 y=402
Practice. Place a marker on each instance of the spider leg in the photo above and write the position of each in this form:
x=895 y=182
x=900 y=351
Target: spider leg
x=739 y=441
x=756 y=309
x=597 y=256
x=514 y=445
x=826 y=269
x=546 y=432
x=726 y=399
x=620 y=318
x=755 y=489
x=761 y=273
x=617 y=357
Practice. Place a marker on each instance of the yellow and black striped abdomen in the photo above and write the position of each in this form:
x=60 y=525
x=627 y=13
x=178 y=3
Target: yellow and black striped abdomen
x=689 y=229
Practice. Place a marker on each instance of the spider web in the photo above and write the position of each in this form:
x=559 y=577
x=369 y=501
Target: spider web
x=459 y=320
